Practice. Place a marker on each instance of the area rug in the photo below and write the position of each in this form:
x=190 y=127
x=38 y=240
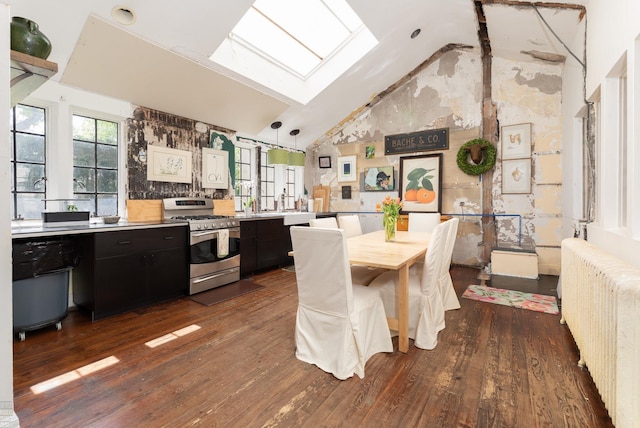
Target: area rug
x=226 y=292
x=515 y=299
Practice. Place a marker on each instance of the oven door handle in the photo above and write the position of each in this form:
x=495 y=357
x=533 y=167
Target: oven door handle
x=205 y=233
x=215 y=275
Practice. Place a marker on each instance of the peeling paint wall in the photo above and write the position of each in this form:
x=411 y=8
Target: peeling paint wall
x=448 y=94
x=531 y=93
x=445 y=94
x=152 y=127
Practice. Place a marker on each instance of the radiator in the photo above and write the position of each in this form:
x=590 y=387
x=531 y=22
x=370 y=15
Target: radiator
x=601 y=307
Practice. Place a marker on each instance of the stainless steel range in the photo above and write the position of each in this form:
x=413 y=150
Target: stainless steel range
x=214 y=242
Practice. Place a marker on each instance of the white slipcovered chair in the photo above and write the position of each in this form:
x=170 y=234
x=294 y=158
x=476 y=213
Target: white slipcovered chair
x=329 y=222
x=339 y=325
x=423 y=222
x=426 y=312
x=350 y=224
x=449 y=299
x=361 y=275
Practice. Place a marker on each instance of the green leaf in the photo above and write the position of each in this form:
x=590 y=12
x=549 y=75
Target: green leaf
x=426 y=183
x=417 y=173
x=412 y=185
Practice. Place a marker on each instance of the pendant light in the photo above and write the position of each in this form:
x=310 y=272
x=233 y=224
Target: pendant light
x=277 y=156
x=296 y=158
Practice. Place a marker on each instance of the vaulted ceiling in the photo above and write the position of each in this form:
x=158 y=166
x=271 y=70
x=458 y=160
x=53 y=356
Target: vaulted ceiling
x=161 y=60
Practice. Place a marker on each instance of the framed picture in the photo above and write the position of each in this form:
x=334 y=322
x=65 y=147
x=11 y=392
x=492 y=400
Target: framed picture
x=324 y=161
x=379 y=178
x=516 y=176
x=370 y=152
x=420 y=184
x=516 y=141
x=347 y=168
x=215 y=169
x=170 y=165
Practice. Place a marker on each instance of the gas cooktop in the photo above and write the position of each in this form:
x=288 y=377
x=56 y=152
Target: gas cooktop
x=198 y=212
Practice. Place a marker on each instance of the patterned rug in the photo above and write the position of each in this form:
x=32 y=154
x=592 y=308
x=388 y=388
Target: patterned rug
x=515 y=299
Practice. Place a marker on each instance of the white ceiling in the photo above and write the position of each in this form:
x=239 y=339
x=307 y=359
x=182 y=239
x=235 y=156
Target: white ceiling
x=161 y=61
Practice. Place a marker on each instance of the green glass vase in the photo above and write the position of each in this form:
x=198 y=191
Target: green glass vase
x=390 y=223
x=27 y=38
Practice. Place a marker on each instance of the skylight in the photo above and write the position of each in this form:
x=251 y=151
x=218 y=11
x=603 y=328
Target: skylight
x=298 y=38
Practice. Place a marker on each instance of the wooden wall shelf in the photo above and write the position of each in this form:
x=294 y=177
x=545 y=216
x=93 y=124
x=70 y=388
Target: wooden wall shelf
x=28 y=73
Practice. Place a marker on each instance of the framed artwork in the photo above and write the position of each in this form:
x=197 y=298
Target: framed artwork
x=516 y=141
x=370 y=152
x=516 y=176
x=324 y=161
x=170 y=165
x=347 y=168
x=420 y=184
x=215 y=170
x=379 y=178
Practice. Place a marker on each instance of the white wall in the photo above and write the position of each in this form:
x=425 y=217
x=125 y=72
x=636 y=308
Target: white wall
x=614 y=28
x=8 y=418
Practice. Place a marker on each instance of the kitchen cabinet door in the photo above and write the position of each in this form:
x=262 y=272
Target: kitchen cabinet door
x=248 y=252
x=269 y=243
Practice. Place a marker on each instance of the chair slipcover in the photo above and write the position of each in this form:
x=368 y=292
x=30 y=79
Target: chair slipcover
x=426 y=312
x=350 y=224
x=361 y=275
x=324 y=222
x=423 y=222
x=338 y=325
x=449 y=299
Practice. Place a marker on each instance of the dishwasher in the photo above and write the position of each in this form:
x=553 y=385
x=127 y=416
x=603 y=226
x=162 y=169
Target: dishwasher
x=41 y=283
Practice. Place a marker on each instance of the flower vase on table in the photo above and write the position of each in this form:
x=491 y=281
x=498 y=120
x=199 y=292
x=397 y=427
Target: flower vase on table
x=391 y=209
x=390 y=225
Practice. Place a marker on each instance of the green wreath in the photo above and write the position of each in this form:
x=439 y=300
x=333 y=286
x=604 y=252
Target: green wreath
x=488 y=157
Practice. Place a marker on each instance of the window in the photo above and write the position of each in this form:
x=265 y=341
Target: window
x=267 y=182
x=295 y=48
x=622 y=150
x=244 y=183
x=95 y=165
x=290 y=183
x=27 y=126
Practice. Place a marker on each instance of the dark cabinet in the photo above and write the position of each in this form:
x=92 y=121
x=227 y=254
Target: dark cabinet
x=269 y=242
x=248 y=257
x=124 y=270
x=264 y=244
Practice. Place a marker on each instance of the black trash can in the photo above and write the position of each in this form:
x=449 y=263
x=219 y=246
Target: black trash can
x=41 y=283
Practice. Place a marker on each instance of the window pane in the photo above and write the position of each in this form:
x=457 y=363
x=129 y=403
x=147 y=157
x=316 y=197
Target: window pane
x=107 y=205
x=107 y=156
x=30 y=205
x=83 y=154
x=107 y=132
x=29 y=148
x=29 y=119
x=28 y=177
x=84 y=128
x=107 y=180
x=84 y=180
x=85 y=202
x=246 y=171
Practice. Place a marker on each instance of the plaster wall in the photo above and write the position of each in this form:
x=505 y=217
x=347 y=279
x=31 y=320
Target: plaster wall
x=445 y=94
x=532 y=93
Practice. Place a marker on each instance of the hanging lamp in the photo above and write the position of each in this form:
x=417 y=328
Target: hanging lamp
x=277 y=156
x=296 y=158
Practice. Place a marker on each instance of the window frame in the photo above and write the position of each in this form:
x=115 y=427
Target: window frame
x=96 y=168
x=16 y=213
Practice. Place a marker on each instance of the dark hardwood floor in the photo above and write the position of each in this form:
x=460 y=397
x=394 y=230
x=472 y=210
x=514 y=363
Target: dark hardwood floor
x=494 y=366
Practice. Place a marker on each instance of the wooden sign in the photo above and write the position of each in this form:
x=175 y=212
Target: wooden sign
x=421 y=141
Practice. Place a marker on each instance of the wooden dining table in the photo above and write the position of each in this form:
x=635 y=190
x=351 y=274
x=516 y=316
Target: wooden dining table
x=371 y=249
